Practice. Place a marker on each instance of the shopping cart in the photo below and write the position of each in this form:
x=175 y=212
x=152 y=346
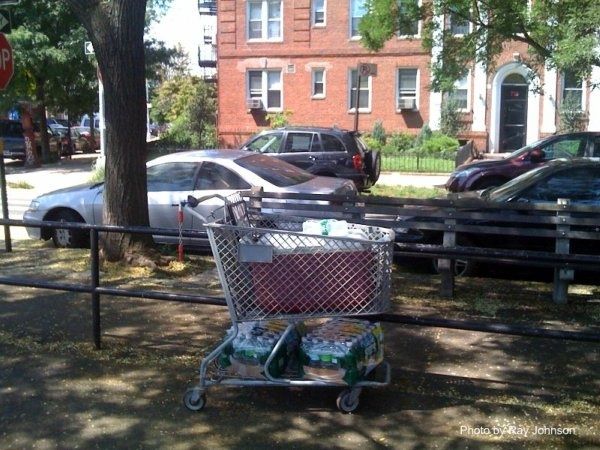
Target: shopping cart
x=270 y=269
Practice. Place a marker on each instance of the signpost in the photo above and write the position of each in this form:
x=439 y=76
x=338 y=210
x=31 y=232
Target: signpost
x=6 y=62
x=363 y=70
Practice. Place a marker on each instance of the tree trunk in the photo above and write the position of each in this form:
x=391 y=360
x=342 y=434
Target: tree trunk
x=31 y=156
x=116 y=29
x=41 y=104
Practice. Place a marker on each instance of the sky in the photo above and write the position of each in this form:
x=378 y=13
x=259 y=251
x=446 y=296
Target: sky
x=180 y=25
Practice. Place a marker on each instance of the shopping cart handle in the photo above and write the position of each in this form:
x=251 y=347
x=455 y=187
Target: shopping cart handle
x=193 y=201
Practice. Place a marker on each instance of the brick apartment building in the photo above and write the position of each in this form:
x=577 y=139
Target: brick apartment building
x=302 y=56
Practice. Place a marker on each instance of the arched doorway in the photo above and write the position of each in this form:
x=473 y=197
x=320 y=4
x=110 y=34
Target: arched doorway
x=513 y=112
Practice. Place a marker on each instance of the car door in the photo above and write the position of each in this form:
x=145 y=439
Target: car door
x=580 y=185
x=213 y=178
x=297 y=149
x=169 y=184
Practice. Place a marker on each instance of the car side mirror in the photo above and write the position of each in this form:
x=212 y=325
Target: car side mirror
x=536 y=155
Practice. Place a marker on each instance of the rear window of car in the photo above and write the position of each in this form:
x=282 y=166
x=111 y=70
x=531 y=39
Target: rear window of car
x=273 y=170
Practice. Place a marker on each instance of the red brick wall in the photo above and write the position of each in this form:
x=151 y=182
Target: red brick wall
x=305 y=46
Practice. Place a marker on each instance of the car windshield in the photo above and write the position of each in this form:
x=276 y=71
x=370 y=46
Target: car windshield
x=509 y=190
x=527 y=148
x=273 y=170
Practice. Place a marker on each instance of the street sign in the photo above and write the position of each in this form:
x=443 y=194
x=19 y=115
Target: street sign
x=365 y=69
x=88 y=48
x=6 y=62
x=4 y=21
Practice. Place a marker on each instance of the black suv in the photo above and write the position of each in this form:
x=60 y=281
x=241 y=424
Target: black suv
x=321 y=151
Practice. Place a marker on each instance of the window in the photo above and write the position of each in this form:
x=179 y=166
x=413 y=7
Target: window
x=266 y=143
x=318 y=12
x=565 y=148
x=264 y=20
x=266 y=86
x=460 y=94
x=407 y=88
x=274 y=171
x=318 y=83
x=177 y=176
x=458 y=24
x=357 y=10
x=364 y=94
x=408 y=26
x=331 y=143
x=215 y=176
x=572 y=90
x=300 y=142
x=580 y=185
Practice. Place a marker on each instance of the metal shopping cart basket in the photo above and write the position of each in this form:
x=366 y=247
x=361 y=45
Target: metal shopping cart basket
x=270 y=269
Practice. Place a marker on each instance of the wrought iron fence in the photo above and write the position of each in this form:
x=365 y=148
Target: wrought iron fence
x=416 y=163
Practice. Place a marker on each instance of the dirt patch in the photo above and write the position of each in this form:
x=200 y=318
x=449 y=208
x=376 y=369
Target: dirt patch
x=450 y=388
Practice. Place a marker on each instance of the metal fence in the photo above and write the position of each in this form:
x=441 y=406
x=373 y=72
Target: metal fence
x=417 y=164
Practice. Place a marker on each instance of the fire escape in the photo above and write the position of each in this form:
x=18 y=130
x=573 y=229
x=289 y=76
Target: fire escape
x=207 y=50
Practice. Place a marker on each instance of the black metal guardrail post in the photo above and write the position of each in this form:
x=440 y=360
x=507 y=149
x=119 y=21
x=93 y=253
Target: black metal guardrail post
x=7 y=239
x=95 y=283
x=562 y=275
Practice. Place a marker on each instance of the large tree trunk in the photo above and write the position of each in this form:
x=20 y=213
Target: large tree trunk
x=41 y=106
x=116 y=29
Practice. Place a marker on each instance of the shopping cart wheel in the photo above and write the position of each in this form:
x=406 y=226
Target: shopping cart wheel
x=194 y=399
x=347 y=401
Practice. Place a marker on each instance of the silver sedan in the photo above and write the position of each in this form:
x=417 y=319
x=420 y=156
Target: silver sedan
x=171 y=179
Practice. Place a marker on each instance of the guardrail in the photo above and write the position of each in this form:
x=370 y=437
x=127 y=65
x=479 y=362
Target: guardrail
x=375 y=211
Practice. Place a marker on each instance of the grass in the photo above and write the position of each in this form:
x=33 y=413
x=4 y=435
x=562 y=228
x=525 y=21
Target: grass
x=406 y=191
x=19 y=185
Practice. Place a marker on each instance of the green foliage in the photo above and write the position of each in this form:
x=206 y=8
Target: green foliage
x=423 y=135
x=439 y=145
x=450 y=120
x=570 y=115
x=561 y=34
x=188 y=105
x=378 y=132
x=279 y=119
x=398 y=143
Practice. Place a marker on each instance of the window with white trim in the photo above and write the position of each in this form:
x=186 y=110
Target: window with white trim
x=357 y=11
x=408 y=88
x=364 y=91
x=458 y=24
x=318 y=82
x=266 y=85
x=318 y=12
x=407 y=28
x=460 y=94
x=264 y=20
x=572 y=89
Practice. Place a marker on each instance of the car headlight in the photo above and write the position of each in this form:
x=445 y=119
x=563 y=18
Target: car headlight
x=34 y=205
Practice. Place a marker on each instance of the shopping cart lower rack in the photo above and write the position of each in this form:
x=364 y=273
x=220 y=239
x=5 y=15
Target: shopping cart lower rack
x=290 y=291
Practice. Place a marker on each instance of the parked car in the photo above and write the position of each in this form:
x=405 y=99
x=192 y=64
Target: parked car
x=576 y=179
x=11 y=132
x=171 y=179
x=321 y=151
x=483 y=174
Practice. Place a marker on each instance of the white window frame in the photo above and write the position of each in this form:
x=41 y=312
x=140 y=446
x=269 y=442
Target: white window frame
x=264 y=6
x=467 y=79
x=313 y=14
x=449 y=26
x=351 y=94
x=354 y=37
x=580 y=88
x=419 y=27
x=313 y=82
x=417 y=86
x=264 y=93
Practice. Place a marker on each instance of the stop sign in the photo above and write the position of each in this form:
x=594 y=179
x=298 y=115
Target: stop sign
x=6 y=62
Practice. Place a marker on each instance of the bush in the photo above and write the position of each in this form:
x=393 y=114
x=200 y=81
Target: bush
x=379 y=132
x=450 y=120
x=570 y=115
x=439 y=145
x=372 y=143
x=401 y=142
x=279 y=119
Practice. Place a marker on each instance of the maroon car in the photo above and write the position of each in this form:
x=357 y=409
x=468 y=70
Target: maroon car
x=483 y=174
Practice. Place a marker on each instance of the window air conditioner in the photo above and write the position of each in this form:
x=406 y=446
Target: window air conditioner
x=407 y=103
x=254 y=103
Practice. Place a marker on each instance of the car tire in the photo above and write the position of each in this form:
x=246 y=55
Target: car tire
x=68 y=238
x=373 y=165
